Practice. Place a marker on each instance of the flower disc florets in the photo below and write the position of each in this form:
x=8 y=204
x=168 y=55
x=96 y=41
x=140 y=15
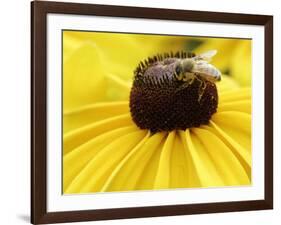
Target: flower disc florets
x=159 y=101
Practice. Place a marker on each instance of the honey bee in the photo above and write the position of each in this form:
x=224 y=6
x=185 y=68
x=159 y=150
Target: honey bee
x=187 y=69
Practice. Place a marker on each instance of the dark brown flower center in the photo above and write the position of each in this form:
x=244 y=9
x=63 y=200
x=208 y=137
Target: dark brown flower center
x=160 y=101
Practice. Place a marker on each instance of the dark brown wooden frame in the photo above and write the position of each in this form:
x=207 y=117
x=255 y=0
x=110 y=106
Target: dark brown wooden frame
x=39 y=11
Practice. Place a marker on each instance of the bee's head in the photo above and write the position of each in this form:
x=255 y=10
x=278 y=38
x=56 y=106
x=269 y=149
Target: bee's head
x=183 y=66
x=187 y=64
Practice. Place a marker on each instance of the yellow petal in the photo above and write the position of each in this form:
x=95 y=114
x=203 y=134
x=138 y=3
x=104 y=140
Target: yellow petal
x=226 y=84
x=241 y=63
x=237 y=125
x=242 y=154
x=239 y=106
x=87 y=77
x=162 y=179
x=83 y=78
x=235 y=95
x=97 y=171
x=179 y=165
x=126 y=175
x=191 y=173
x=227 y=165
x=92 y=113
x=70 y=45
x=147 y=178
x=203 y=168
x=79 y=136
x=76 y=160
x=117 y=88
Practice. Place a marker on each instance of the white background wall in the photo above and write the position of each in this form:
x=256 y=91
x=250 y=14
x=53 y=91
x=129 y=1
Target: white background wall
x=15 y=110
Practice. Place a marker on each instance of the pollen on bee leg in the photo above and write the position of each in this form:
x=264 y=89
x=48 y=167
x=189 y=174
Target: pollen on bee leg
x=202 y=88
x=180 y=77
x=193 y=77
x=185 y=77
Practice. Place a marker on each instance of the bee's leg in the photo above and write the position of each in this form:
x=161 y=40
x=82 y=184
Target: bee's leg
x=202 y=87
x=190 y=78
x=182 y=87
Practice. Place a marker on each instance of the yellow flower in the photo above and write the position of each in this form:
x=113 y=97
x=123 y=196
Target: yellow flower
x=103 y=149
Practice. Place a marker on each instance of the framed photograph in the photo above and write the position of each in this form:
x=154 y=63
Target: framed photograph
x=143 y=112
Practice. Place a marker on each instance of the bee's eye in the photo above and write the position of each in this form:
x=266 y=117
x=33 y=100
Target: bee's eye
x=178 y=70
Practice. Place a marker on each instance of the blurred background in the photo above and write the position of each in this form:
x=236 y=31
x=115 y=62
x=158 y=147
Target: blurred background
x=99 y=66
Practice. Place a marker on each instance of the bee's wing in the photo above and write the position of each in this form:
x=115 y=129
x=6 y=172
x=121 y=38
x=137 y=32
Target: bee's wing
x=207 y=56
x=201 y=62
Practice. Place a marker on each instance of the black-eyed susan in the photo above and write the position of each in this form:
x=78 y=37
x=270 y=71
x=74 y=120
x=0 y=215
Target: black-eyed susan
x=108 y=143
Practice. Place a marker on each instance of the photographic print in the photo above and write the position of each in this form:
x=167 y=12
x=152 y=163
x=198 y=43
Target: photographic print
x=144 y=112
x=153 y=112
